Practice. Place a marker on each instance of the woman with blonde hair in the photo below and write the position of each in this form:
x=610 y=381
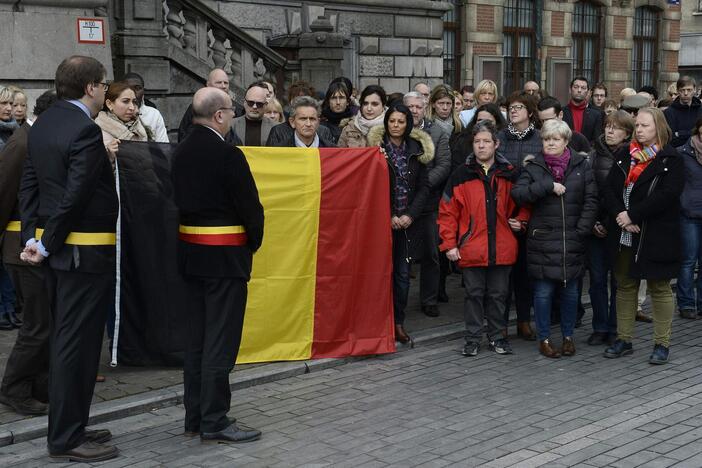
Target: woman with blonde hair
x=19 y=104
x=441 y=110
x=274 y=111
x=485 y=93
x=642 y=195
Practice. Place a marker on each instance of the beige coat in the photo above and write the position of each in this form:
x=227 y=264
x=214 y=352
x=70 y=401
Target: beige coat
x=351 y=136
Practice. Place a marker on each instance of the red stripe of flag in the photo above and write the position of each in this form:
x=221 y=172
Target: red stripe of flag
x=353 y=296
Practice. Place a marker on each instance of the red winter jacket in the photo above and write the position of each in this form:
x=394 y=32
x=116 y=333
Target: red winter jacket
x=473 y=214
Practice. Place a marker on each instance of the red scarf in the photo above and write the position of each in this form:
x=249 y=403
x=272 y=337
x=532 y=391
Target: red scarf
x=578 y=110
x=640 y=159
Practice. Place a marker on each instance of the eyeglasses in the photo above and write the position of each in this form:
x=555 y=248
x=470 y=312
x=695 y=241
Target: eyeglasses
x=517 y=107
x=613 y=127
x=255 y=104
x=105 y=84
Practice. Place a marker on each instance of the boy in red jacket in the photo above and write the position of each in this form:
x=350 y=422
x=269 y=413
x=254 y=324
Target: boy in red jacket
x=477 y=222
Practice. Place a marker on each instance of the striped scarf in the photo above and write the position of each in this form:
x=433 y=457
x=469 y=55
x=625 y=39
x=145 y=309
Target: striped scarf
x=640 y=158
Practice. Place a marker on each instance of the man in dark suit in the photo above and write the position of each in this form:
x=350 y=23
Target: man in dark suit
x=221 y=226
x=579 y=116
x=68 y=210
x=304 y=120
x=25 y=385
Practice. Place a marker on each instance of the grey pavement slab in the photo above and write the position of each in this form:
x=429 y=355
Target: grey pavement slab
x=430 y=406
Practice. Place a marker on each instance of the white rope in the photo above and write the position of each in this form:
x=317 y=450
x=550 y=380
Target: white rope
x=118 y=269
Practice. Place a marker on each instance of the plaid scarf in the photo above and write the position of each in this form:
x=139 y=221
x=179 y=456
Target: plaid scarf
x=640 y=158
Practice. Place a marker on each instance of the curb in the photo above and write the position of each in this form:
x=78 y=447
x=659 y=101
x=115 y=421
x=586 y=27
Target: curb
x=34 y=428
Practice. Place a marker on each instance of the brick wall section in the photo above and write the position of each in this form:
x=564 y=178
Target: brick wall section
x=484 y=48
x=618 y=60
x=554 y=51
x=557 y=23
x=670 y=61
x=674 y=35
x=614 y=88
x=485 y=18
x=619 y=27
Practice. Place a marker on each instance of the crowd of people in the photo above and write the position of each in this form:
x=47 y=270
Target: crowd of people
x=523 y=195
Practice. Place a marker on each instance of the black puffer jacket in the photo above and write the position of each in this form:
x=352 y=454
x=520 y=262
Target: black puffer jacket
x=681 y=119
x=558 y=226
x=654 y=205
x=515 y=150
x=601 y=161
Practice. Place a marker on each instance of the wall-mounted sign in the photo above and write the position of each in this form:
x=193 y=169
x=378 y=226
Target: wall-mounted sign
x=91 y=30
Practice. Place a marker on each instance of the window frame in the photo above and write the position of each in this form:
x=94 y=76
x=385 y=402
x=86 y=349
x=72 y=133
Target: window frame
x=637 y=72
x=580 y=38
x=515 y=74
x=452 y=75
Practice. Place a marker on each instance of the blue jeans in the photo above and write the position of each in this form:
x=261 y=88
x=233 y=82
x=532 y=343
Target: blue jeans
x=691 y=250
x=544 y=290
x=604 y=302
x=400 y=274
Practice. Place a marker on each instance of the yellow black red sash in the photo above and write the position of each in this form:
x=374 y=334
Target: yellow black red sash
x=213 y=235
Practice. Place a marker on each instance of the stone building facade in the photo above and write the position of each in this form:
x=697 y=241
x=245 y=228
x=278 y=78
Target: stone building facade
x=690 y=62
x=623 y=43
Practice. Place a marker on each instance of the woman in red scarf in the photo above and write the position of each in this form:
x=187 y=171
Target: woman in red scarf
x=642 y=194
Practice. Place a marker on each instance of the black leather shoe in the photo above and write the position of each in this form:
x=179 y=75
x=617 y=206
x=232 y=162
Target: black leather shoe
x=87 y=452
x=27 y=406
x=597 y=338
x=231 y=435
x=99 y=436
x=5 y=323
x=14 y=319
x=430 y=310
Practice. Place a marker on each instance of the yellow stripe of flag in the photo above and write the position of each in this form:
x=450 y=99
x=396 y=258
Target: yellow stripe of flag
x=281 y=298
x=86 y=238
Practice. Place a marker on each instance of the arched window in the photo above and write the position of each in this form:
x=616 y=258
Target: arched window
x=586 y=41
x=644 y=56
x=519 y=43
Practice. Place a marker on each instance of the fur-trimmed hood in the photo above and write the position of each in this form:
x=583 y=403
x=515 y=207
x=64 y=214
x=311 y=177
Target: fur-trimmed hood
x=423 y=139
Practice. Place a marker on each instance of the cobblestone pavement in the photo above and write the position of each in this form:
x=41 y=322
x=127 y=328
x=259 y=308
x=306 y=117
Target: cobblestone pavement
x=432 y=407
x=123 y=381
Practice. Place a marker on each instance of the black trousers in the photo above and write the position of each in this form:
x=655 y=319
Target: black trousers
x=429 y=275
x=79 y=306
x=520 y=284
x=27 y=369
x=487 y=289
x=216 y=318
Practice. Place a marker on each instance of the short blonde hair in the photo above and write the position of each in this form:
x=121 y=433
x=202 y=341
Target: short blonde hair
x=486 y=86
x=6 y=95
x=274 y=105
x=556 y=128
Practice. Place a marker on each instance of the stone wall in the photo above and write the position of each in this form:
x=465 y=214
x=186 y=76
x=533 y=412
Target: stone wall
x=37 y=36
x=690 y=32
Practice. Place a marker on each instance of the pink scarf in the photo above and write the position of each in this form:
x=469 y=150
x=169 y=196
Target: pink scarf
x=558 y=163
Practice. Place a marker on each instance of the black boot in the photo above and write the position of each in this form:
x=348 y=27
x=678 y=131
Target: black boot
x=5 y=322
x=14 y=319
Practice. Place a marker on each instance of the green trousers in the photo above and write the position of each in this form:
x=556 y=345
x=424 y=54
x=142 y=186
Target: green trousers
x=627 y=302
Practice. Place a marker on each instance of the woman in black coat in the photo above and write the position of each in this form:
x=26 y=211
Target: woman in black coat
x=407 y=152
x=642 y=195
x=561 y=190
x=612 y=145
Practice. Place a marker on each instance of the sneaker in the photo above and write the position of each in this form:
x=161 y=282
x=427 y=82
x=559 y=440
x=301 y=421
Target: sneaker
x=501 y=346
x=688 y=314
x=471 y=349
x=659 y=354
x=618 y=349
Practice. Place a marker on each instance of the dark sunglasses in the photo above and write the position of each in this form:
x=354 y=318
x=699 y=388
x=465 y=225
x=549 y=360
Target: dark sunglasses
x=255 y=104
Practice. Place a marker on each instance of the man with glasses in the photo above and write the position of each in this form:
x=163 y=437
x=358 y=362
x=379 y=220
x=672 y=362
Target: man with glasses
x=221 y=226
x=68 y=210
x=599 y=96
x=684 y=111
x=253 y=127
x=578 y=115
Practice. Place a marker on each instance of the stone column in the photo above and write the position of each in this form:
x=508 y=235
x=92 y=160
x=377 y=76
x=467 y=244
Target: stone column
x=320 y=53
